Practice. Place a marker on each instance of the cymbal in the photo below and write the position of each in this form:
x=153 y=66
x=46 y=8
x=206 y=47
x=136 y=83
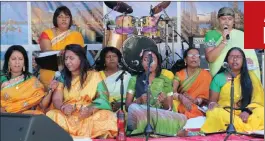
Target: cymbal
x=119 y=6
x=161 y=6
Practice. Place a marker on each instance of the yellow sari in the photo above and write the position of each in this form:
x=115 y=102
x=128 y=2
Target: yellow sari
x=217 y=118
x=102 y=123
x=58 y=43
x=19 y=95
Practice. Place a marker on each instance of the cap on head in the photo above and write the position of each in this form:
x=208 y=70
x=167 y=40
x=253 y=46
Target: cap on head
x=226 y=11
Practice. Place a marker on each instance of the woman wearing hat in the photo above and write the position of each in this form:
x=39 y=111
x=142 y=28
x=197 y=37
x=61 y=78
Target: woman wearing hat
x=220 y=40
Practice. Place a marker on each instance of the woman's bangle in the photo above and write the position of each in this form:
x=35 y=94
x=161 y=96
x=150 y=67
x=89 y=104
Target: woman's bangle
x=224 y=42
x=199 y=101
x=170 y=108
x=61 y=108
x=176 y=95
x=247 y=110
x=212 y=103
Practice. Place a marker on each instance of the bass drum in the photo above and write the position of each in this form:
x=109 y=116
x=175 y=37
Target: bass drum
x=132 y=47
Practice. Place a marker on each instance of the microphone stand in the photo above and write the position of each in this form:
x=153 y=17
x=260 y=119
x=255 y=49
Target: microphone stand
x=120 y=114
x=231 y=128
x=148 y=129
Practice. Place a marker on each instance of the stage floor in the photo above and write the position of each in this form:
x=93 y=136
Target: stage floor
x=215 y=137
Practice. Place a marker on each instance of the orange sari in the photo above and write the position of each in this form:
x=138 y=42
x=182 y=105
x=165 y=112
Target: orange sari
x=196 y=86
x=19 y=95
x=58 y=43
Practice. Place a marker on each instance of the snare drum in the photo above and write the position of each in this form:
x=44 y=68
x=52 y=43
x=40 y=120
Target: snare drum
x=131 y=50
x=125 y=24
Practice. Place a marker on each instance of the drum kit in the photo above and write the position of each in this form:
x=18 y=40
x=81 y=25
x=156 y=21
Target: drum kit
x=131 y=35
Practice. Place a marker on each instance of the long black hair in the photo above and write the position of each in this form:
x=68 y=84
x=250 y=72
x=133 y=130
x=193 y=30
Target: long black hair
x=84 y=65
x=245 y=81
x=8 y=53
x=159 y=60
x=100 y=65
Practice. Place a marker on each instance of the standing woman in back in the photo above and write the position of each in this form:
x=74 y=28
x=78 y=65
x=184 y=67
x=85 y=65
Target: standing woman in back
x=56 y=38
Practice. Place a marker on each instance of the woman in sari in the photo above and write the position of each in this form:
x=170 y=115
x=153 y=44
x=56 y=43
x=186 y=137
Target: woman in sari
x=110 y=59
x=191 y=85
x=219 y=41
x=21 y=91
x=81 y=104
x=248 y=97
x=162 y=118
x=56 y=38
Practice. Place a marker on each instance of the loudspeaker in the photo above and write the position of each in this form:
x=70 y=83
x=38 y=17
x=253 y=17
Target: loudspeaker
x=22 y=127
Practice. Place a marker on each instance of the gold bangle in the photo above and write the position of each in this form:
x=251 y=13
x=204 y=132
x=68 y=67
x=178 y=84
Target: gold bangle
x=224 y=42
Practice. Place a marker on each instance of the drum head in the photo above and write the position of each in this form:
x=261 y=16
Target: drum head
x=131 y=50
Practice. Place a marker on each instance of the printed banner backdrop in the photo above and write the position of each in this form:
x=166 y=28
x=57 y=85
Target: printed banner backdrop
x=14 y=23
x=199 y=17
x=87 y=17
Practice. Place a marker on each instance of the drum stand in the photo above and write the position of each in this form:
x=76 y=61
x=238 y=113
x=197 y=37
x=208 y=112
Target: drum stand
x=181 y=37
x=168 y=50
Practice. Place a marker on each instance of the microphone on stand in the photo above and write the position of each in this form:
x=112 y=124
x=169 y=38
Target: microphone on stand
x=108 y=24
x=150 y=59
x=227 y=36
x=119 y=77
x=227 y=67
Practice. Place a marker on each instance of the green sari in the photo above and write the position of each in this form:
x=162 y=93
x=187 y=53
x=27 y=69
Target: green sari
x=213 y=38
x=163 y=121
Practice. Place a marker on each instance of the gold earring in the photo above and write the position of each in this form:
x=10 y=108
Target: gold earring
x=23 y=68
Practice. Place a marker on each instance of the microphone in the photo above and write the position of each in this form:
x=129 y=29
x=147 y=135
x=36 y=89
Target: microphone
x=227 y=36
x=227 y=67
x=108 y=24
x=135 y=62
x=119 y=77
x=56 y=77
x=150 y=60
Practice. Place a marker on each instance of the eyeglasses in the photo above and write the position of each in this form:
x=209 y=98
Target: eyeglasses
x=193 y=55
x=235 y=57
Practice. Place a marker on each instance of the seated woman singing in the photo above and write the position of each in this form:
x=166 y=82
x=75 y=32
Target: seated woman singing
x=191 y=85
x=163 y=119
x=248 y=97
x=110 y=59
x=21 y=92
x=80 y=100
